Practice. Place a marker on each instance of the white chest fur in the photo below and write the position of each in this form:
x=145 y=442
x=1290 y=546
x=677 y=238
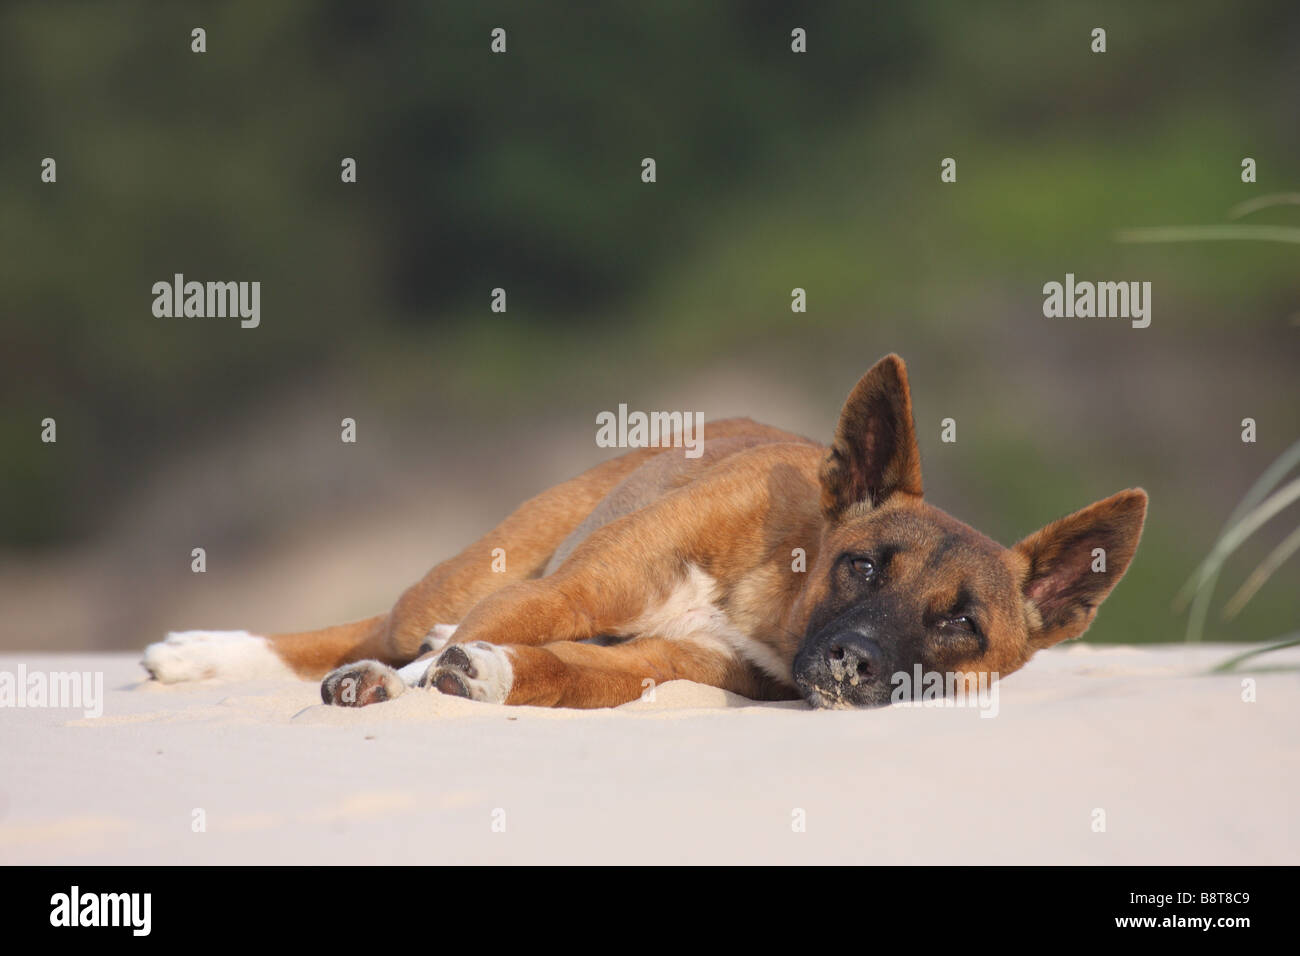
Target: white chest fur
x=690 y=612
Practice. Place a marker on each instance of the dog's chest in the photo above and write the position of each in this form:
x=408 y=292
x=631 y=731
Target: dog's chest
x=691 y=612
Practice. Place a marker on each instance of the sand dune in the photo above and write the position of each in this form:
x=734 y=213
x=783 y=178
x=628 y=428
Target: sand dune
x=1184 y=770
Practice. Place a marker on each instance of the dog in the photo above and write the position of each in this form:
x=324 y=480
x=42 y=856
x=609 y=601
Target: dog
x=769 y=565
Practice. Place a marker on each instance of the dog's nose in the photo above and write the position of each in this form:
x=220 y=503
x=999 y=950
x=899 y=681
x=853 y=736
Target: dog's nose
x=853 y=658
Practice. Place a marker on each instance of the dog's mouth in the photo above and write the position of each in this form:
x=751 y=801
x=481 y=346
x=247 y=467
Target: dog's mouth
x=818 y=700
x=833 y=698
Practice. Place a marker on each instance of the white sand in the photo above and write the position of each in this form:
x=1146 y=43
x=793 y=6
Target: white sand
x=1185 y=771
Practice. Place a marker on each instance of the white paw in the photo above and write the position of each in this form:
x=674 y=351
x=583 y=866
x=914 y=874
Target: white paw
x=433 y=642
x=479 y=671
x=412 y=672
x=437 y=638
x=362 y=683
x=199 y=655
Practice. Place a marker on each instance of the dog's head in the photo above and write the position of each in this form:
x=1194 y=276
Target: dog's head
x=899 y=585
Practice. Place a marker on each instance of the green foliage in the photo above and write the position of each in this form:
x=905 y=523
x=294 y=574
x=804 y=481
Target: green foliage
x=775 y=170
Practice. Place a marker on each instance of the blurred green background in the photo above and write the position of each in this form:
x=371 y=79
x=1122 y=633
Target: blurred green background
x=522 y=171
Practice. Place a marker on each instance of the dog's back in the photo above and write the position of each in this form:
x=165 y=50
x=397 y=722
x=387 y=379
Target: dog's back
x=668 y=471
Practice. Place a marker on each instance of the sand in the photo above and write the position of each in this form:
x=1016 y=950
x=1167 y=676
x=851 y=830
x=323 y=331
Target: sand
x=1184 y=770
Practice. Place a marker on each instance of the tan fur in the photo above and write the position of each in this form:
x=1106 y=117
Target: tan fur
x=592 y=557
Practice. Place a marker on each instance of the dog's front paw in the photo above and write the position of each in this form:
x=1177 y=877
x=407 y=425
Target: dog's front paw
x=362 y=683
x=199 y=655
x=436 y=639
x=479 y=671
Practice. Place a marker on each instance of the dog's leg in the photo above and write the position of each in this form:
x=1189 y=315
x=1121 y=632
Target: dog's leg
x=372 y=682
x=422 y=617
x=661 y=533
x=525 y=540
x=581 y=600
x=569 y=674
x=626 y=569
x=236 y=655
x=562 y=674
x=640 y=576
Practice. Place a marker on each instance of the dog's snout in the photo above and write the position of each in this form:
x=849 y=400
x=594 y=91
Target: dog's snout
x=854 y=658
x=843 y=668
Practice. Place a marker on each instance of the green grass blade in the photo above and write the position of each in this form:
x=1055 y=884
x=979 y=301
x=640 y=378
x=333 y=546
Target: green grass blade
x=1210 y=234
x=1265 y=483
x=1290 y=640
x=1249 y=523
x=1277 y=557
x=1263 y=202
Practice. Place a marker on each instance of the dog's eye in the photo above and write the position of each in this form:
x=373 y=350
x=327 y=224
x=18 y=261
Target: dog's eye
x=959 y=624
x=863 y=567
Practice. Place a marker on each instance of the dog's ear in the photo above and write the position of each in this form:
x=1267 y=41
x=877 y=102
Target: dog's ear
x=1073 y=563
x=874 y=454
